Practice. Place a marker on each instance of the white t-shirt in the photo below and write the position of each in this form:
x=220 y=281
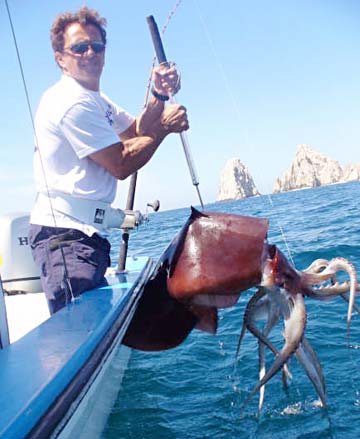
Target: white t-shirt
x=71 y=123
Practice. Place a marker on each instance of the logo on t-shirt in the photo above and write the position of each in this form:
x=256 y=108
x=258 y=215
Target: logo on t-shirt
x=109 y=114
x=99 y=216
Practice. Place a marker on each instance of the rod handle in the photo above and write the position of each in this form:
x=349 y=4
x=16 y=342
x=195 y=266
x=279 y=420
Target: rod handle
x=156 y=38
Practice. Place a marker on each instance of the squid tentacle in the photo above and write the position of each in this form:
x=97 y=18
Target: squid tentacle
x=316 y=266
x=257 y=305
x=286 y=375
x=330 y=270
x=346 y=298
x=281 y=295
x=306 y=356
x=294 y=331
x=322 y=270
x=249 y=311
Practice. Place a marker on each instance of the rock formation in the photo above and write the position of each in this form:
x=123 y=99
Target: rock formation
x=351 y=173
x=311 y=168
x=236 y=182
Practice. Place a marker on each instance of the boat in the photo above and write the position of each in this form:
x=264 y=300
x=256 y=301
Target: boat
x=60 y=374
x=61 y=378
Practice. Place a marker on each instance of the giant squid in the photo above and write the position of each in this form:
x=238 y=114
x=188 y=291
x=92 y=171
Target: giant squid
x=210 y=262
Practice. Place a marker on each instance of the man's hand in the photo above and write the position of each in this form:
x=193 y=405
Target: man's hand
x=174 y=118
x=166 y=79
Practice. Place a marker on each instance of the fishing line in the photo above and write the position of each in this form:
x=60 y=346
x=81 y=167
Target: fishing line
x=281 y=231
x=238 y=115
x=269 y=197
x=161 y=57
x=133 y=179
x=236 y=108
x=65 y=281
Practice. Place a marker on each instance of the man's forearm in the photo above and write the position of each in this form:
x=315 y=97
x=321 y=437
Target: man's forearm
x=149 y=117
x=138 y=151
x=124 y=158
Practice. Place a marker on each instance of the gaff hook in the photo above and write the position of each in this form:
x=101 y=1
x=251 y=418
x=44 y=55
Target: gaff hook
x=161 y=57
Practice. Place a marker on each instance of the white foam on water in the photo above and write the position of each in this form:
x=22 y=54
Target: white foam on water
x=293 y=409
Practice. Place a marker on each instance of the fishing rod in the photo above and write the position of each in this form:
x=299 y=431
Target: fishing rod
x=161 y=57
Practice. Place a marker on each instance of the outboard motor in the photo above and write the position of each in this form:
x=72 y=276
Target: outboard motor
x=17 y=267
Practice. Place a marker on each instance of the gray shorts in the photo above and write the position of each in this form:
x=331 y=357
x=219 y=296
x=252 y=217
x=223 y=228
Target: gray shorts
x=70 y=262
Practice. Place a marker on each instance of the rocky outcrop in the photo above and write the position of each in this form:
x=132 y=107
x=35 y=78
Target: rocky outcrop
x=311 y=168
x=351 y=173
x=236 y=182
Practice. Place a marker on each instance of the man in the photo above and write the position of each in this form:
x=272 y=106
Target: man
x=84 y=144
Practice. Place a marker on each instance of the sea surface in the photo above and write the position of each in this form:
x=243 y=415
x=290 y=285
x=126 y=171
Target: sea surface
x=196 y=391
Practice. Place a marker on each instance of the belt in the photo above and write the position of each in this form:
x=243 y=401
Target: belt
x=91 y=212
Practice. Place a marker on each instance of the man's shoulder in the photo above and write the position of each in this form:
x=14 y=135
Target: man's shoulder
x=61 y=96
x=66 y=89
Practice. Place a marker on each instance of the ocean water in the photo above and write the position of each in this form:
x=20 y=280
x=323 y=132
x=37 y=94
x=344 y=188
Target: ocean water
x=196 y=391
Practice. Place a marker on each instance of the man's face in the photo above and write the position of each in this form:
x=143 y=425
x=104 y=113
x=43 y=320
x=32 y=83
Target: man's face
x=85 y=67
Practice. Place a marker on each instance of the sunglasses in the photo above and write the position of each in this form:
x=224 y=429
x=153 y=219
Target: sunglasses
x=82 y=47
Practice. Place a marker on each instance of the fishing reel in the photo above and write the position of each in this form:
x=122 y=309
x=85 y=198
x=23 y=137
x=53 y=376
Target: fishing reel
x=134 y=218
x=155 y=205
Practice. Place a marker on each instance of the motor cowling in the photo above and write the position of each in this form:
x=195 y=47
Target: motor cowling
x=17 y=267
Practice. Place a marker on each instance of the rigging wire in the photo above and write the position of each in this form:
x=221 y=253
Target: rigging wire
x=237 y=111
x=65 y=281
x=66 y=284
x=20 y=66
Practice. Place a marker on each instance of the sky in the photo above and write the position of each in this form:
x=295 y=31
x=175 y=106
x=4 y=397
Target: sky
x=259 y=77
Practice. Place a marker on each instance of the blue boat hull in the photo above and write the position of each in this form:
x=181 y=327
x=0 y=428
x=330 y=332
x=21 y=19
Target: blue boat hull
x=47 y=375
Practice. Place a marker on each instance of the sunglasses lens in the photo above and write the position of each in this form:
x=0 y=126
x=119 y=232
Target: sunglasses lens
x=97 y=46
x=81 y=48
